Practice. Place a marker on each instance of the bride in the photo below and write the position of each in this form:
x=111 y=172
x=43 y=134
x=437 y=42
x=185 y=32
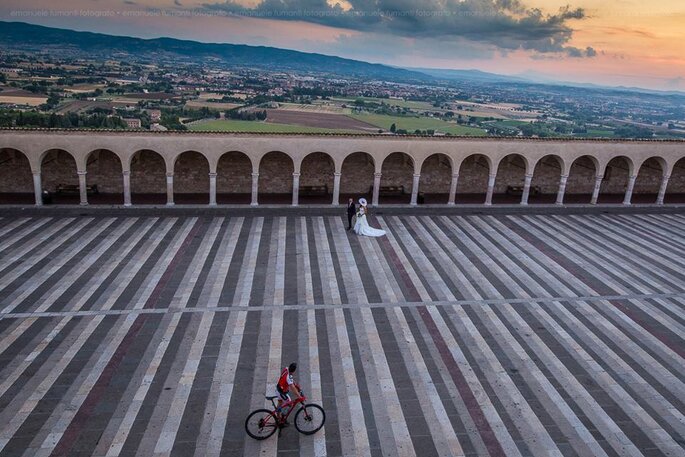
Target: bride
x=361 y=226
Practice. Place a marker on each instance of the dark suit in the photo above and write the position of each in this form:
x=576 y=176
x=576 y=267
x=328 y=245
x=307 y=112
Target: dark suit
x=351 y=211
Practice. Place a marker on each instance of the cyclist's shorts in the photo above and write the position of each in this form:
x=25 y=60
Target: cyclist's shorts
x=283 y=395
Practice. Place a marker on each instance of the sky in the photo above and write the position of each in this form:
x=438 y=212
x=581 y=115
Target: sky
x=609 y=42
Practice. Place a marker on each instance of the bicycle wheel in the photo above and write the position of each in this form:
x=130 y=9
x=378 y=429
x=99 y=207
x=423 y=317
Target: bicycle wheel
x=309 y=419
x=261 y=424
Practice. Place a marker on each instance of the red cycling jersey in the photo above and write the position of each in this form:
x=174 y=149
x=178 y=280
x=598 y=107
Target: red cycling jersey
x=285 y=380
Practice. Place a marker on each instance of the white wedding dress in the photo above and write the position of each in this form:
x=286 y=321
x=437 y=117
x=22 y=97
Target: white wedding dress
x=362 y=227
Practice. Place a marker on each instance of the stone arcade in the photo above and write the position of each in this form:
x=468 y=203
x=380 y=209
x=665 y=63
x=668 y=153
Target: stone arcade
x=249 y=168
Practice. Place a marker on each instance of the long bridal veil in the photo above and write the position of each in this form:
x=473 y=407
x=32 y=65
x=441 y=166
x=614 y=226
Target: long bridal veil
x=362 y=227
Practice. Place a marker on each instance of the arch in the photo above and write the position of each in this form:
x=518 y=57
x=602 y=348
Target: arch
x=615 y=181
x=16 y=178
x=675 y=191
x=276 y=178
x=397 y=171
x=191 y=178
x=234 y=178
x=581 y=179
x=546 y=176
x=316 y=178
x=58 y=172
x=511 y=173
x=356 y=179
x=472 y=186
x=436 y=177
x=148 y=178
x=103 y=170
x=648 y=180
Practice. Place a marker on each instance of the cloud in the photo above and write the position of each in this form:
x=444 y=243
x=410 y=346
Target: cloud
x=506 y=24
x=382 y=48
x=570 y=51
x=178 y=3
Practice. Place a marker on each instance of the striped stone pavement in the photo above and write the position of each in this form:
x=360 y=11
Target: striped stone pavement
x=542 y=335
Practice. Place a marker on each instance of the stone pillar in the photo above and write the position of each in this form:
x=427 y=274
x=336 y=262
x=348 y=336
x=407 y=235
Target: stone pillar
x=170 y=188
x=415 y=188
x=37 y=189
x=662 y=190
x=453 y=189
x=376 y=188
x=296 y=188
x=595 y=191
x=491 y=189
x=629 y=190
x=526 y=189
x=212 y=189
x=83 y=193
x=336 y=188
x=562 y=189
x=255 y=188
x=127 y=188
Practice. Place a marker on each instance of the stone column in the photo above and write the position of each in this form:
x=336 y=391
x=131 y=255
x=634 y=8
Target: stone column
x=491 y=189
x=212 y=189
x=662 y=190
x=127 y=188
x=296 y=188
x=376 y=188
x=37 y=189
x=453 y=189
x=595 y=191
x=82 y=187
x=255 y=188
x=336 y=188
x=629 y=190
x=526 y=189
x=415 y=188
x=562 y=189
x=170 y=188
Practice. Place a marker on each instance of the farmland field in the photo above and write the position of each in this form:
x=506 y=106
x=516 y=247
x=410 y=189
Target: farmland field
x=388 y=101
x=21 y=97
x=315 y=108
x=219 y=106
x=230 y=125
x=319 y=120
x=597 y=133
x=31 y=101
x=77 y=106
x=422 y=123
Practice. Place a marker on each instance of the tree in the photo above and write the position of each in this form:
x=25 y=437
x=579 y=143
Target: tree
x=393 y=128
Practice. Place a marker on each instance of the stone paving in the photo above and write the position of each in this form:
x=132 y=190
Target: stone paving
x=501 y=335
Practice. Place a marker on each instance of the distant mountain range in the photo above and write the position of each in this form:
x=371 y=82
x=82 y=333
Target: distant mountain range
x=530 y=78
x=23 y=35
x=470 y=75
x=20 y=35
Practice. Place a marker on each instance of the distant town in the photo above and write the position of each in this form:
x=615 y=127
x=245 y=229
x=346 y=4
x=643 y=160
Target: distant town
x=63 y=88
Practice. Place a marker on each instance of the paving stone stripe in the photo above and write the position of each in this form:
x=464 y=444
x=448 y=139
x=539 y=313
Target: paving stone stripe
x=543 y=335
x=651 y=394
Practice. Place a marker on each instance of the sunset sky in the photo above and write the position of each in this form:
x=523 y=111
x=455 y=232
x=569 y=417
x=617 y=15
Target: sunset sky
x=612 y=42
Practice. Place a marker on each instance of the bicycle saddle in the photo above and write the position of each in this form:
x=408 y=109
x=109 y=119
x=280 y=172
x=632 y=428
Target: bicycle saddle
x=271 y=398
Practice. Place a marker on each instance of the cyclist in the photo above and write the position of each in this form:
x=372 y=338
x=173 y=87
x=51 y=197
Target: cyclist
x=286 y=385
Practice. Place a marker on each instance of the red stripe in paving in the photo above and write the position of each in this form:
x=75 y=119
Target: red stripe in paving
x=484 y=429
x=73 y=431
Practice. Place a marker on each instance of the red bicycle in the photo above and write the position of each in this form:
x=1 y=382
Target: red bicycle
x=262 y=423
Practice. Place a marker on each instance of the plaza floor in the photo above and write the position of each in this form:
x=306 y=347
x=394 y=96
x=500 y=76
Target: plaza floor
x=500 y=335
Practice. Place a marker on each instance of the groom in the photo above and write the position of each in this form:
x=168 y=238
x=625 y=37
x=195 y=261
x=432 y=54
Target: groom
x=351 y=211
